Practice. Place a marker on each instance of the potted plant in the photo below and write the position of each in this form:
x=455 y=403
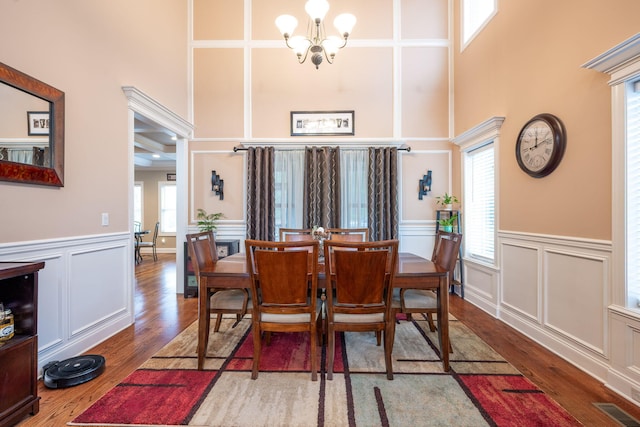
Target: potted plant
x=447 y=223
x=447 y=200
x=207 y=222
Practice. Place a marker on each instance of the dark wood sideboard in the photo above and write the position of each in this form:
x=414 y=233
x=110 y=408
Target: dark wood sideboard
x=19 y=355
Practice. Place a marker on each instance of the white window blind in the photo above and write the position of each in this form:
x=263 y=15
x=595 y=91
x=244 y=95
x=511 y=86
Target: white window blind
x=354 y=166
x=479 y=203
x=633 y=193
x=289 y=187
x=167 y=202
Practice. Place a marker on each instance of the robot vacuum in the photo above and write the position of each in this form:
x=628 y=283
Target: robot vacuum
x=74 y=371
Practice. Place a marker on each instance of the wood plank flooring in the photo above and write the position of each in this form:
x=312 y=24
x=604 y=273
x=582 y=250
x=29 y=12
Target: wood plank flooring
x=161 y=314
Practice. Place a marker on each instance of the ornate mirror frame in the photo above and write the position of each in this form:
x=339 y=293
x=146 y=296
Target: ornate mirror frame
x=26 y=173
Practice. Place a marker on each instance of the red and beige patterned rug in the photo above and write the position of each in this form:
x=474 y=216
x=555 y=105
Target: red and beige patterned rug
x=482 y=389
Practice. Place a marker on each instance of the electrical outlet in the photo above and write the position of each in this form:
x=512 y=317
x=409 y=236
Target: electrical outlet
x=105 y=219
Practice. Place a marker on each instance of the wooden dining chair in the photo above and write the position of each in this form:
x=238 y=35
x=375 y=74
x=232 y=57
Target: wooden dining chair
x=445 y=254
x=359 y=288
x=349 y=234
x=202 y=249
x=284 y=285
x=295 y=234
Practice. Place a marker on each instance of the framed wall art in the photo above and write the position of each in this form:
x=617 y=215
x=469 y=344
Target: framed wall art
x=38 y=122
x=309 y=123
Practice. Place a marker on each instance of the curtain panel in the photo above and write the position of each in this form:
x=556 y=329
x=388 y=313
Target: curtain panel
x=322 y=187
x=383 y=193
x=260 y=193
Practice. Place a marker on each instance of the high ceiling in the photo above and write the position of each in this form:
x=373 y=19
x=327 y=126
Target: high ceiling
x=154 y=146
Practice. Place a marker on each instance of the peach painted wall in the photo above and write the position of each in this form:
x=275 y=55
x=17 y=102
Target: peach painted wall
x=208 y=157
x=527 y=61
x=396 y=81
x=89 y=50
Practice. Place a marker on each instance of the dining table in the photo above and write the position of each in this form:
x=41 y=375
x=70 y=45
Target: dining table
x=413 y=272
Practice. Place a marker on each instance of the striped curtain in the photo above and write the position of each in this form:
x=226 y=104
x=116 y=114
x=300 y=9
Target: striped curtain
x=383 y=193
x=260 y=193
x=322 y=187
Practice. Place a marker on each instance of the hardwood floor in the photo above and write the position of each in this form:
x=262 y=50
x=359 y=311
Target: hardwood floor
x=161 y=314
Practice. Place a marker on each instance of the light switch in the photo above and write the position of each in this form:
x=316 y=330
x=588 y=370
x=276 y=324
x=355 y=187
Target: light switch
x=105 y=219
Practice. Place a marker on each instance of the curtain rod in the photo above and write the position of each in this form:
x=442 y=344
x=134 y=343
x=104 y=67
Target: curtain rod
x=243 y=148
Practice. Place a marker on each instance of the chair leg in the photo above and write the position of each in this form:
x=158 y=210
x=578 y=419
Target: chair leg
x=331 y=349
x=216 y=328
x=389 y=336
x=155 y=254
x=314 y=355
x=257 y=341
x=432 y=326
x=320 y=329
x=207 y=328
x=378 y=338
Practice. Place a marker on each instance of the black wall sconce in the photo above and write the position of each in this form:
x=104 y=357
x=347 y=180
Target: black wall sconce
x=217 y=185
x=425 y=185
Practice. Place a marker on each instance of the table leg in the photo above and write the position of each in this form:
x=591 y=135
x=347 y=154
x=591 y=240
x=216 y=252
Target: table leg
x=204 y=321
x=443 y=318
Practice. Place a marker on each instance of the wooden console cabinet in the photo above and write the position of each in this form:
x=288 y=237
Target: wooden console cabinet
x=19 y=355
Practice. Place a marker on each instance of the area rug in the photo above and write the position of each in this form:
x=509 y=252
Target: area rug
x=482 y=389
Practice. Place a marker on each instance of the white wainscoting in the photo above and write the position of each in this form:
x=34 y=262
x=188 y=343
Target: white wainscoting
x=555 y=290
x=624 y=375
x=85 y=291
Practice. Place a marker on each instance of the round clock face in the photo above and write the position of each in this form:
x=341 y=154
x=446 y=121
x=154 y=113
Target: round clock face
x=540 y=145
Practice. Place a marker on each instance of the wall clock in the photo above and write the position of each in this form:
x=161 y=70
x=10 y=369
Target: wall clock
x=540 y=145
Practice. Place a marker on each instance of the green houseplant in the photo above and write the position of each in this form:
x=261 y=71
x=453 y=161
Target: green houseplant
x=447 y=200
x=208 y=222
x=447 y=223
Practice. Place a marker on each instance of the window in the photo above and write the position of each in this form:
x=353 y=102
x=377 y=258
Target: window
x=167 y=202
x=622 y=63
x=289 y=188
x=479 y=203
x=632 y=107
x=475 y=15
x=138 y=207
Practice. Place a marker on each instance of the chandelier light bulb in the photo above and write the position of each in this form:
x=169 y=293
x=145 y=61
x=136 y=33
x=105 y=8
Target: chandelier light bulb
x=331 y=45
x=345 y=23
x=286 y=24
x=299 y=45
x=317 y=9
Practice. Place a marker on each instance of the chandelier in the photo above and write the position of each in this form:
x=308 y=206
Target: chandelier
x=316 y=40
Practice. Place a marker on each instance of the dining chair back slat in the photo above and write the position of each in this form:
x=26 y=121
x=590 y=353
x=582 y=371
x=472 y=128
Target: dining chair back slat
x=295 y=234
x=349 y=234
x=360 y=289
x=280 y=277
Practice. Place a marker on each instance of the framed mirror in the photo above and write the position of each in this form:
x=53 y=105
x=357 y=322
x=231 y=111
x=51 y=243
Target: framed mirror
x=31 y=130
